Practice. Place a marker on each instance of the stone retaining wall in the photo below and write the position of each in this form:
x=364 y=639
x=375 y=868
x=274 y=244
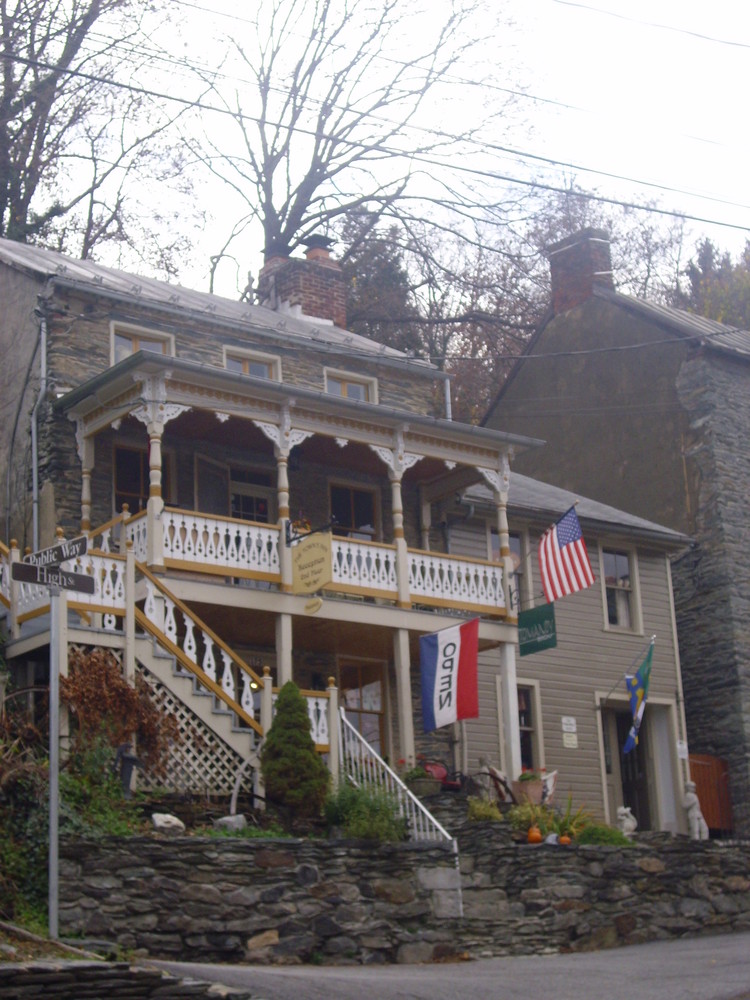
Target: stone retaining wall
x=288 y=901
x=66 y=980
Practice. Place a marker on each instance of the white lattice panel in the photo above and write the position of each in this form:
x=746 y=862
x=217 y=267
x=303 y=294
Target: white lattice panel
x=202 y=762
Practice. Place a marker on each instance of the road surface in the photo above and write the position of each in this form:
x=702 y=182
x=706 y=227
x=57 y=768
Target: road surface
x=706 y=968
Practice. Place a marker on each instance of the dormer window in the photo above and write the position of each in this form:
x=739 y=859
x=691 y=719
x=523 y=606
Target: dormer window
x=129 y=340
x=351 y=386
x=252 y=363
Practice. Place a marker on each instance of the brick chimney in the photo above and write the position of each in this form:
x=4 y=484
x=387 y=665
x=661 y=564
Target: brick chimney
x=313 y=288
x=577 y=264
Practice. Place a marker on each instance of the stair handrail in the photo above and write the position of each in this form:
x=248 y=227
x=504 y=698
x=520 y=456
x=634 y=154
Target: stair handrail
x=372 y=770
x=145 y=571
x=184 y=660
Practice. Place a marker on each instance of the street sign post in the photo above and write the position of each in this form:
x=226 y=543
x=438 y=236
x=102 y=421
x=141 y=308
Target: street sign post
x=43 y=568
x=51 y=575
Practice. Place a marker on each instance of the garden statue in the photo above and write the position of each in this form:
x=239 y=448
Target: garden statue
x=626 y=821
x=697 y=826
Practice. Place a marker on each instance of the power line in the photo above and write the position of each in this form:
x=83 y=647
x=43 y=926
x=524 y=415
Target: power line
x=653 y=24
x=382 y=149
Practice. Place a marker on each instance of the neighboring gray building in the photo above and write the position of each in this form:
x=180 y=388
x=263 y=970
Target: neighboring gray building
x=648 y=408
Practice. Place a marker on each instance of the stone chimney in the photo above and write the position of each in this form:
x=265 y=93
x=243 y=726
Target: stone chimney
x=577 y=264
x=313 y=288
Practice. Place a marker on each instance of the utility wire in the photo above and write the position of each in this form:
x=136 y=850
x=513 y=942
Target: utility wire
x=383 y=149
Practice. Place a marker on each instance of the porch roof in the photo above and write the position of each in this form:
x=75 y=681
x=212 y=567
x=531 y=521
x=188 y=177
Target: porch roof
x=107 y=386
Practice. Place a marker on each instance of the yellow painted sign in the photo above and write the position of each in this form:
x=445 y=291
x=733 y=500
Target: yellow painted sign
x=311 y=563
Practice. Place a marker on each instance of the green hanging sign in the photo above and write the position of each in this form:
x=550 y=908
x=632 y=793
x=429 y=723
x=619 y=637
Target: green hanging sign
x=536 y=630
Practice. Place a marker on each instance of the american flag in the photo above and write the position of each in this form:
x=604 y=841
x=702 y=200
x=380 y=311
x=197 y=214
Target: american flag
x=563 y=560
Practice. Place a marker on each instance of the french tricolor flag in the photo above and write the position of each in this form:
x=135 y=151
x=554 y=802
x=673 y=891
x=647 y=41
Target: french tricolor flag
x=448 y=661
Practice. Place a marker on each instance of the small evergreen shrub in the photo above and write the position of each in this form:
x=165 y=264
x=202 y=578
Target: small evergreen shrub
x=295 y=776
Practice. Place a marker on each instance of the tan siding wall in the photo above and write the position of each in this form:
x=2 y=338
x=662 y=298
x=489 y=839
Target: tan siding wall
x=588 y=658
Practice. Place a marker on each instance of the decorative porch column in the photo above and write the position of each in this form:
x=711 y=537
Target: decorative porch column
x=499 y=482
x=402 y=662
x=284 y=438
x=509 y=698
x=334 y=750
x=284 y=648
x=86 y=455
x=155 y=412
x=398 y=461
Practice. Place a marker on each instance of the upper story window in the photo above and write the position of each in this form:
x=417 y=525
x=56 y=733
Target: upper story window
x=351 y=386
x=129 y=340
x=355 y=511
x=252 y=363
x=620 y=589
x=252 y=496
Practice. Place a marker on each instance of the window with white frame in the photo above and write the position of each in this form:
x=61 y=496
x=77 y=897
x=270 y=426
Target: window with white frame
x=252 y=363
x=529 y=715
x=620 y=588
x=351 y=386
x=127 y=340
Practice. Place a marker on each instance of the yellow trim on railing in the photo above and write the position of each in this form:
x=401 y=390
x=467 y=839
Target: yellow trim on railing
x=464 y=559
x=194 y=669
x=221 y=570
x=200 y=623
x=220 y=517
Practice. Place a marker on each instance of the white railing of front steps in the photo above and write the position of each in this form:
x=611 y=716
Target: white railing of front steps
x=215 y=665
x=364 y=766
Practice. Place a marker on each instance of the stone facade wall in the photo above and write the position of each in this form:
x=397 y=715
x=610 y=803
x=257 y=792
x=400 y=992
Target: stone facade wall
x=712 y=581
x=293 y=901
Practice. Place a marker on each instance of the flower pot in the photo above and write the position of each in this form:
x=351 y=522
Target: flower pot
x=424 y=786
x=527 y=791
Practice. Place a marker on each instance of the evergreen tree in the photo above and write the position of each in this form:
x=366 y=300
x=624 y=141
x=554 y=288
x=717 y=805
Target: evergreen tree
x=295 y=776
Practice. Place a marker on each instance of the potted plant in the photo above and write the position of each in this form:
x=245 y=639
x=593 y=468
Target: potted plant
x=528 y=787
x=418 y=780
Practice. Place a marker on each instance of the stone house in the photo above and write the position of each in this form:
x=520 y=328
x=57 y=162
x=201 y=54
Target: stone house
x=194 y=441
x=647 y=408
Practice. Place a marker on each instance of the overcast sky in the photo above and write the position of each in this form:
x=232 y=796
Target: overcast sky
x=649 y=92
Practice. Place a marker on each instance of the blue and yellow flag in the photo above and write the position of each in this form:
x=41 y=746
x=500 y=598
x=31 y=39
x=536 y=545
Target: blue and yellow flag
x=637 y=685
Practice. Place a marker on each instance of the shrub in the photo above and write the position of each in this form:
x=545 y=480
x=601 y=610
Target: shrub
x=528 y=814
x=365 y=814
x=600 y=833
x=483 y=809
x=104 y=706
x=295 y=776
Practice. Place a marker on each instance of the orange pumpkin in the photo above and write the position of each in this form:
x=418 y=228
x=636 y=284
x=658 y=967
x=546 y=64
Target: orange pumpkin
x=564 y=839
x=534 y=836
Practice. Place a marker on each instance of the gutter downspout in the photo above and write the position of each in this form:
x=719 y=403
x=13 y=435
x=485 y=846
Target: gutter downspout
x=35 y=432
x=448 y=406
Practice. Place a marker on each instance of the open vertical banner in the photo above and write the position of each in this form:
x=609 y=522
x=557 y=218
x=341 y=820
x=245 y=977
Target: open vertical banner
x=448 y=662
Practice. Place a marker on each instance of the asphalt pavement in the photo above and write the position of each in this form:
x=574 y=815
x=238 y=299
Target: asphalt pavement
x=705 y=968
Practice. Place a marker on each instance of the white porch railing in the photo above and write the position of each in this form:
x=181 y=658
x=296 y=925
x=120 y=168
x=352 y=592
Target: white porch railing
x=108 y=572
x=449 y=581
x=364 y=766
x=231 y=547
x=366 y=567
x=221 y=544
